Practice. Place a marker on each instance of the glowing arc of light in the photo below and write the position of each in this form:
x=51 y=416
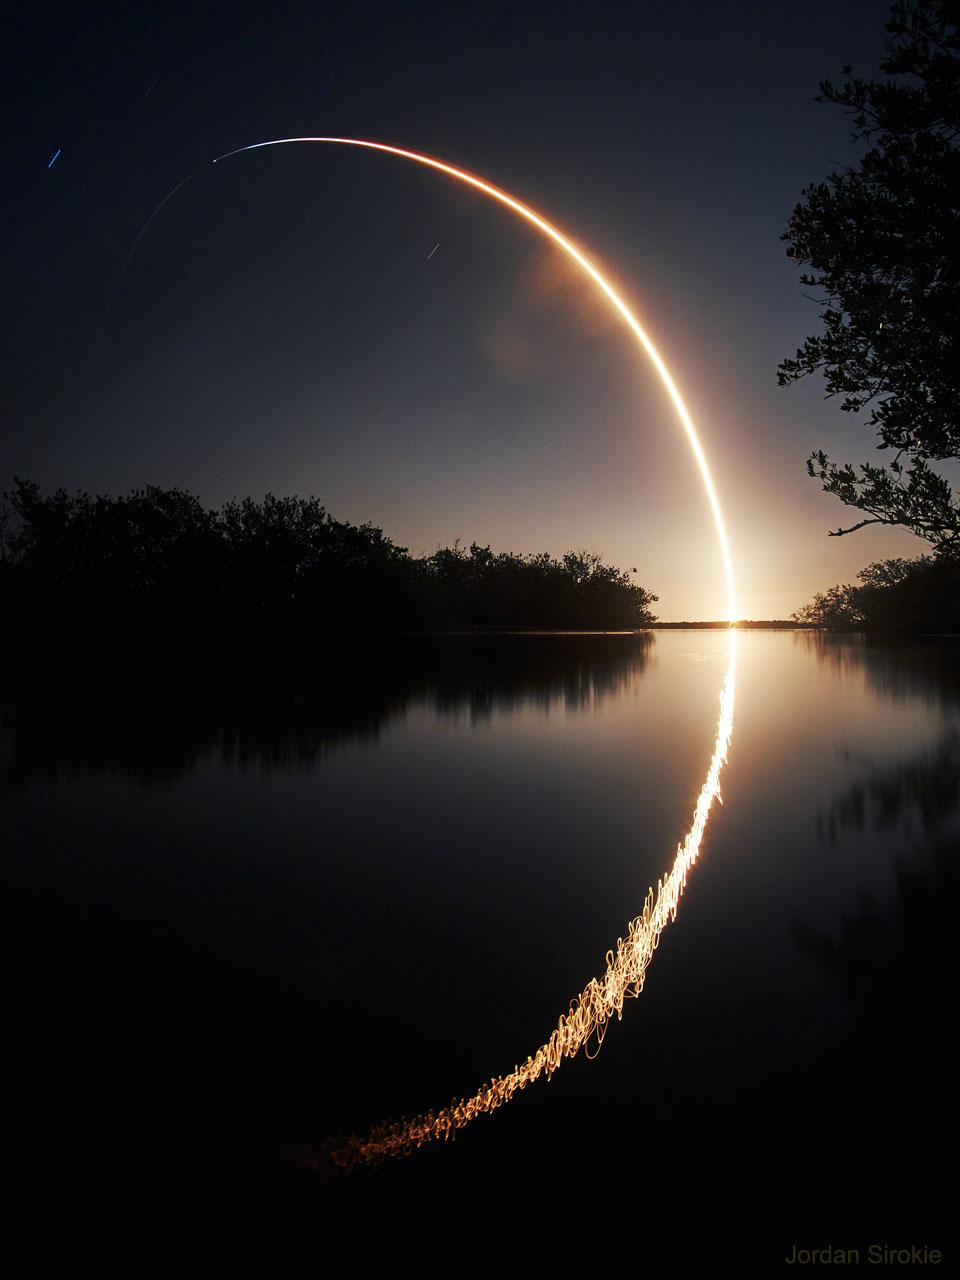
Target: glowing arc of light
x=590 y=1013
x=585 y=265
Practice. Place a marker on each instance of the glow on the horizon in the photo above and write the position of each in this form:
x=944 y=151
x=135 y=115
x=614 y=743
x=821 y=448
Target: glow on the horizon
x=585 y=265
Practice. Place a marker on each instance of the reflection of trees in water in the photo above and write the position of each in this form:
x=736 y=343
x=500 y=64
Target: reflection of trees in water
x=507 y=673
x=928 y=668
x=926 y=788
x=892 y=1076
x=154 y=718
x=920 y=797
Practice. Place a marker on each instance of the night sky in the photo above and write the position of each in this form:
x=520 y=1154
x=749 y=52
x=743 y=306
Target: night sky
x=322 y=320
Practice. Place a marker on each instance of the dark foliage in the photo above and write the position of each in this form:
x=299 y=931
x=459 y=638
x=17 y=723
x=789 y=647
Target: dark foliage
x=893 y=595
x=156 y=561
x=881 y=239
x=506 y=590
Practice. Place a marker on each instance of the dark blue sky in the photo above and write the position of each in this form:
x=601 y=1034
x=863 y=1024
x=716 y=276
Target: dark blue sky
x=318 y=320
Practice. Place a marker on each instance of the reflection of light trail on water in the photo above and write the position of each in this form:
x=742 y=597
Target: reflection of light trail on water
x=590 y=1013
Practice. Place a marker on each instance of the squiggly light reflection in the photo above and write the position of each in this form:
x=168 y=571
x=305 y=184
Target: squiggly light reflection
x=589 y=1015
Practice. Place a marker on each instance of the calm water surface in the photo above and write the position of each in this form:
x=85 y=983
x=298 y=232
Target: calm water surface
x=272 y=901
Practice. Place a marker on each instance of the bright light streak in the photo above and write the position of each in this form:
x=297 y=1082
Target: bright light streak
x=585 y=265
x=50 y=165
x=590 y=1013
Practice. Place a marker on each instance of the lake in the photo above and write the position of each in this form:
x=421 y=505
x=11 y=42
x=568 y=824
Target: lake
x=257 y=903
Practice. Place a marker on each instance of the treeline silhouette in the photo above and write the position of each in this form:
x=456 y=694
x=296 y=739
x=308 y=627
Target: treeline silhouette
x=156 y=558
x=916 y=595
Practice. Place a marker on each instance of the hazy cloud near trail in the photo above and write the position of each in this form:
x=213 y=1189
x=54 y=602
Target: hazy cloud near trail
x=552 y=314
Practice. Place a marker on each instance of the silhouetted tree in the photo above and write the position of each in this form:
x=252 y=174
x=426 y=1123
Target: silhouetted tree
x=289 y=558
x=480 y=588
x=157 y=558
x=893 y=595
x=153 y=551
x=882 y=240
